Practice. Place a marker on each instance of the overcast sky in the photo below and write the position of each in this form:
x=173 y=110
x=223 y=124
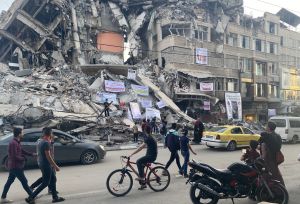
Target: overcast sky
x=252 y=7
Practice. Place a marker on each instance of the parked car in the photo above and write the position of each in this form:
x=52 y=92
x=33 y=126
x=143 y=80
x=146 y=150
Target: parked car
x=229 y=137
x=67 y=148
x=288 y=128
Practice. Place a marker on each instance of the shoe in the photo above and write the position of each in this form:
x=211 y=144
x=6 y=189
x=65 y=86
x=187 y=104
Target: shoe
x=50 y=192
x=30 y=200
x=140 y=179
x=142 y=187
x=5 y=200
x=186 y=176
x=58 y=199
x=180 y=173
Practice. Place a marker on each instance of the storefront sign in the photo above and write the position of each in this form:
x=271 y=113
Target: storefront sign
x=140 y=90
x=135 y=110
x=160 y=104
x=206 y=105
x=201 y=56
x=131 y=74
x=151 y=113
x=114 y=86
x=234 y=106
x=206 y=86
x=146 y=103
x=102 y=96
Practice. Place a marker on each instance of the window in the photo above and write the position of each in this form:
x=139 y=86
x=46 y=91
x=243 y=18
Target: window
x=245 y=42
x=279 y=122
x=246 y=89
x=272 y=28
x=246 y=65
x=247 y=131
x=197 y=86
x=231 y=39
x=273 y=91
x=219 y=129
x=32 y=137
x=272 y=68
x=271 y=48
x=259 y=45
x=236 y=131
x=231 y=85
x=202 y=33
x=261 y=90
x=295 y=123
x=261 y=69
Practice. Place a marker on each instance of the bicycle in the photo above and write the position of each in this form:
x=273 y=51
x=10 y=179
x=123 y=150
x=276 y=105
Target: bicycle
x=157 y=178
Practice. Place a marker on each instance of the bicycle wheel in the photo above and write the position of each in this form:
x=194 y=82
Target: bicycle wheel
x=158 y=178
x=119 y=182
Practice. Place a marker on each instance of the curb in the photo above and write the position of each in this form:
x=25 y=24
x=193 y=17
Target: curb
x=126 y=147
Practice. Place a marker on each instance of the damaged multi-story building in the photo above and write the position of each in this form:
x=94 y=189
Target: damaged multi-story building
x=198 y=49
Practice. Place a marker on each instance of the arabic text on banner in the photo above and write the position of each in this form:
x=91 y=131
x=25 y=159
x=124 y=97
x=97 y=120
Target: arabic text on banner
x=152 y=112
x=135 y=110
x=140 y=90
x=102 y=96
x=206 y=86
x=114 y=86
x=234 y=106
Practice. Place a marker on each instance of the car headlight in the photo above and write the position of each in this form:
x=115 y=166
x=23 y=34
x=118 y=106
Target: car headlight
x=102 y=147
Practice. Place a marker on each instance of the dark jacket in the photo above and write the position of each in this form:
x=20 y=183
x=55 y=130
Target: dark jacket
x=172 y=140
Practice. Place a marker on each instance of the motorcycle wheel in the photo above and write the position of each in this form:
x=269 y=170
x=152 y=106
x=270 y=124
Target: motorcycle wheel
x=280 y=192
x=199 y=196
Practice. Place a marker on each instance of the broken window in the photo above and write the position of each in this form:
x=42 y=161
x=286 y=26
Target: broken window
x=232 y=39
x=261 y=90
x=272 y=28
x=261 y=69
x=246 y=65
x=202 y=33
x=178 y=29
x=245 y=42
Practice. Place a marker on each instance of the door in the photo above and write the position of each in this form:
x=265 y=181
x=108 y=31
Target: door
x=29 y=143
x=237 y=135
x=65 y=149
x=248 y=136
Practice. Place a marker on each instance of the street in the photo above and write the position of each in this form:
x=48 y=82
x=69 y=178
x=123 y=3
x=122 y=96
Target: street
x=86 y=184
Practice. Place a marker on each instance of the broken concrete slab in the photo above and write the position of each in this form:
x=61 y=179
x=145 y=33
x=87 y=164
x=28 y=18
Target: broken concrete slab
x=23 y=72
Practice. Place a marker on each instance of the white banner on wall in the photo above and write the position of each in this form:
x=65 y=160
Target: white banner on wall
x=135 y=110
x=140 y=90
x=160 y=104
x=201 y=56
x=114 y=86
x=206 y=86
x=131 y=74
x=234 y=106
x=146 y=103
x=102 y=96
x=152 y=112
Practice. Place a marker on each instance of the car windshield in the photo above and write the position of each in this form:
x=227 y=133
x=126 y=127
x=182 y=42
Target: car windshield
x=218 y=129
x=279 y=122
x=6 y=137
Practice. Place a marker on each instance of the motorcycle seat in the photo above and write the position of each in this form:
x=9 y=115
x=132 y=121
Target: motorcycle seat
x=224 y=173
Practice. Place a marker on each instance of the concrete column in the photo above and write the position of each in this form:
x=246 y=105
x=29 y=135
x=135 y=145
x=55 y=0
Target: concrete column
x=159 y=38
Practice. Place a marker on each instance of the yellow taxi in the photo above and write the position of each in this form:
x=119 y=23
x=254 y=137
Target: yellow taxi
x=229 y=137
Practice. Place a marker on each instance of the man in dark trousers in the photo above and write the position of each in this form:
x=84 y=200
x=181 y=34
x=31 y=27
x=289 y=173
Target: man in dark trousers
x=172 y=141
x=47 y=166
x=15 y=164
x=198 y=131
x=106 y=108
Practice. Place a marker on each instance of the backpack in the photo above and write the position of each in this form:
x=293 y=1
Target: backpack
x=172 y=142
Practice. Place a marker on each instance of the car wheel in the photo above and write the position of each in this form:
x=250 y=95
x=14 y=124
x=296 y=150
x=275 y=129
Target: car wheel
x=294 y=139
x=231 y=146
x=88 y=157
x=210 y=146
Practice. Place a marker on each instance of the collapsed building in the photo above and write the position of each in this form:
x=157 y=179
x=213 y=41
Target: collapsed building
x=189 y=53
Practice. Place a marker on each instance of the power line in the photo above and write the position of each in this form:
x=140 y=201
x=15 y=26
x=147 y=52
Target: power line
x=268 y=3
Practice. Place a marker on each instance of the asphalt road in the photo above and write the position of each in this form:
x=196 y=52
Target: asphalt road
x=86 y=184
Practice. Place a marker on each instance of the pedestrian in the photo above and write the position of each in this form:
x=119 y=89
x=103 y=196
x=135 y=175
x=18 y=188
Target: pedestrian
x=198 y=131
x=135 y=132
x=48 y=167
x=163 y=129
x=150 y=156
x=144 y=124
x=185 y=148
x=15 y=163
x=153 y=125
x=172 y=141
x=270 y=147
x=251 y=153
x=106 y=107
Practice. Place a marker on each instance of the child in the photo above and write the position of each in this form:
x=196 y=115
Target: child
x=185 y=147
x=251 y=153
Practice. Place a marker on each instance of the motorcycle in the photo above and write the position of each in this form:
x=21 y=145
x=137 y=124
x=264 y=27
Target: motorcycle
x=209 y=185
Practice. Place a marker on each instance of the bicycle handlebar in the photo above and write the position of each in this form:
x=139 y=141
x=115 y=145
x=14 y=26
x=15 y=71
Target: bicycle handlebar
x=125 y=157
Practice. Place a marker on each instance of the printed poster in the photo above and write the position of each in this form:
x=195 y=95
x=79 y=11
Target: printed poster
x=234 y=106
x=152 y=112
x=206 y=105
x=201 y=56
x=102 y=96
x=206 y=86
x=114 y=86
x=160 y=104
x=131 y=74
x=135 y=110
x=146 y=103
x=140 y=90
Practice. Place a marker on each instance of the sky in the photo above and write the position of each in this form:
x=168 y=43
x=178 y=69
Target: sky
x=254 y=8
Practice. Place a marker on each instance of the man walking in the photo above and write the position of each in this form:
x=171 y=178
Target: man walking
x=172 y=141
x=135 y=132
x=106 y=107
x=47 y=166
x=16 y=163
x=198 y=131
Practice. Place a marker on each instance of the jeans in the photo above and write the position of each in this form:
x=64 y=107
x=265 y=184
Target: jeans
x=186 y=156
x=106 y=112
x=13 y=174
x=174 y=155
x=135 y=137
x=141 y=162
x=48 y=179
